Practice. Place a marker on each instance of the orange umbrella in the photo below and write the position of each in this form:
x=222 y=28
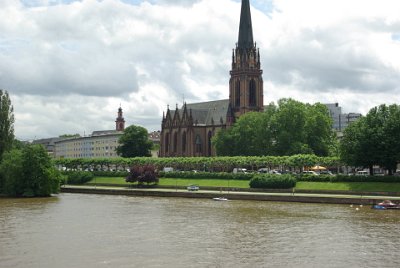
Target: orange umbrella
x=318 y=168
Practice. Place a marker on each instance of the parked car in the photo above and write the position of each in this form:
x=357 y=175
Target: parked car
x=239 y=170
x=193 y=187
x=168 y=169
x=275 y=172
x=326 y=172
x=362 y=173
x=263 y=170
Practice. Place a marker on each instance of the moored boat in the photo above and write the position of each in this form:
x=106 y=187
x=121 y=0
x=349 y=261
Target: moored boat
x=386 y=204
x=220 y=199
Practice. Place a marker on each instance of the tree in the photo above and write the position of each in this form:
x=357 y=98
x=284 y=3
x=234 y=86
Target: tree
x=134 y=142
x=29 y=172
x=248 y=130
x=6 y=123
x=290 y=128
x=373 y=139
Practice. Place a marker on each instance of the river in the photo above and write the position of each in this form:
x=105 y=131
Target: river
x=75 y=230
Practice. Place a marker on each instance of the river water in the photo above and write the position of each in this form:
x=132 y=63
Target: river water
x=74 y=230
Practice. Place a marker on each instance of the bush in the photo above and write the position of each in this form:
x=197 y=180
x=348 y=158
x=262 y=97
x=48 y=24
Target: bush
x=347 y=178
x=207 y=175
x=29 y=172
x=79 y=177
x=142 y=174
x=110 y=173
x=270 y=181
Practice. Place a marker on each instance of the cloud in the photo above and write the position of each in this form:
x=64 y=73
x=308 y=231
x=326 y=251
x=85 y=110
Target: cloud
x=68 y=64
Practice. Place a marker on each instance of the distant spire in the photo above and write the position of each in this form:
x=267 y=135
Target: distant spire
x=245 y=27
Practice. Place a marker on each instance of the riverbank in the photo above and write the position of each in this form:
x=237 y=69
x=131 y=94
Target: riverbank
x=301 y=197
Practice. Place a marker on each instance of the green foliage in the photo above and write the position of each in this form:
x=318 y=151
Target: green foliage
x=346 y=178
x=373 y=139
x=29 y=172
x=207 y=175
x=142 y=174
x=79 y=177
x=134 y=143
x=211 y=164
x=110 y=173
x=6 y=123
x=270 y=181
x=291 y=128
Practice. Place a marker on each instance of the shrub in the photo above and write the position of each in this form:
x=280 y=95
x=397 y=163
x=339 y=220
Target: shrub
x=111 y=173
x=142 y=174
x=270 y=181
x=29 y=172
x=79 y=177
x=207 y=175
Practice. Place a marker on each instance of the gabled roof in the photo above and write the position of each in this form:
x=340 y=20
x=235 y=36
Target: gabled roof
x=204 y=113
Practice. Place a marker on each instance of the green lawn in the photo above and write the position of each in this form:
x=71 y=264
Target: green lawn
x=350 y=186
x=337 y=186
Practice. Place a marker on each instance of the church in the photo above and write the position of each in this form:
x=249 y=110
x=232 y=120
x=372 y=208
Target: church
x=187 y=131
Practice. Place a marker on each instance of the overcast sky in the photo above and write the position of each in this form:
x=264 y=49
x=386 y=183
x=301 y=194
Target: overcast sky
x=69 y=64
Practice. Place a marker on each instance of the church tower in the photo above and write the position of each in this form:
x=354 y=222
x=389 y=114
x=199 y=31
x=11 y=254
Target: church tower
x=246 y=83
x=120 y=121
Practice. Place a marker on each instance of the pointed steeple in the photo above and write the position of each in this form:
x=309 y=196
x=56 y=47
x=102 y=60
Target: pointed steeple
x=245 y=27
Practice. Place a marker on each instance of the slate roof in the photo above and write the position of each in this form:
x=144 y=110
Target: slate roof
x=203 y=113
x=245 y=28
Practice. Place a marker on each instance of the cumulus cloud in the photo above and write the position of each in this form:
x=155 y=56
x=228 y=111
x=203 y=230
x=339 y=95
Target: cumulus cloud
x=69 y=64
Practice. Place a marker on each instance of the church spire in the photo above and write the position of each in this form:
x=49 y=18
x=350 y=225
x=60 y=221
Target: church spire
x=245 y=27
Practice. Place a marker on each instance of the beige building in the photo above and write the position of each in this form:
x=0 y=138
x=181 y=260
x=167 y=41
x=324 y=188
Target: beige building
x=101 y=144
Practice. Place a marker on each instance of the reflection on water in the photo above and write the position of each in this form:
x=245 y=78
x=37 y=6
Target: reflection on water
x=117 y=231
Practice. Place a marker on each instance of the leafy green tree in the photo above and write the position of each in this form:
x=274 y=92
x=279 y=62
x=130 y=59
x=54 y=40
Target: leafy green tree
x=373 y=139
x=6 y=123
x=249 y=131
x=29 y=172
x=134 y=142
x=290 y=128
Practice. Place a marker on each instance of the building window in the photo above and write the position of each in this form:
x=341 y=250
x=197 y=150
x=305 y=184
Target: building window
x=167 y=142
x=184 y=142
x=237 y=94
x=252 y=93
x=198 y=144
x=175 y=142
x=209 y=143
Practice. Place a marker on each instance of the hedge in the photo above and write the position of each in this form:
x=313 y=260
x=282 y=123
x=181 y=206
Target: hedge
x=78 y=177
x=207 y=175
x=347 y=178
x=270 y=181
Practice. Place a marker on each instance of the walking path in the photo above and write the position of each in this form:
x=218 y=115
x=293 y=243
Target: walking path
x=236 y=195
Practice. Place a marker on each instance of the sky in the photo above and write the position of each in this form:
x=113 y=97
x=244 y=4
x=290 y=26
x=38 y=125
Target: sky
x=68 y=65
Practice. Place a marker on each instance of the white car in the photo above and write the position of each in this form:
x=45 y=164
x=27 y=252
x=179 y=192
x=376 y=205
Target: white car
x=193 y=188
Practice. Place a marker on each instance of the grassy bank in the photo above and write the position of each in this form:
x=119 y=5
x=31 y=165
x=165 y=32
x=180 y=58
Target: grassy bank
x=337 y=186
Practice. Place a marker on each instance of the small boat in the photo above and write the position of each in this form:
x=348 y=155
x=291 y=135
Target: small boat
x=386 y=204
x=220 y=199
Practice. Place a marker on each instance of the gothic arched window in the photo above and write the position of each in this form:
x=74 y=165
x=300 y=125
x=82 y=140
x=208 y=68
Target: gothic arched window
x=209 y=143
x=175 y=142
x=184 y=142
x=198 y=144
x=237 y=94
x=167 y=142
x=252 y=93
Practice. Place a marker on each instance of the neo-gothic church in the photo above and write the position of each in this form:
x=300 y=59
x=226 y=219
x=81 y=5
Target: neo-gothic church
x=188 y=131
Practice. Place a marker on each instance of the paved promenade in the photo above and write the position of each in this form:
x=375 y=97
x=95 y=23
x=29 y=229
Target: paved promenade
x=234 y=195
